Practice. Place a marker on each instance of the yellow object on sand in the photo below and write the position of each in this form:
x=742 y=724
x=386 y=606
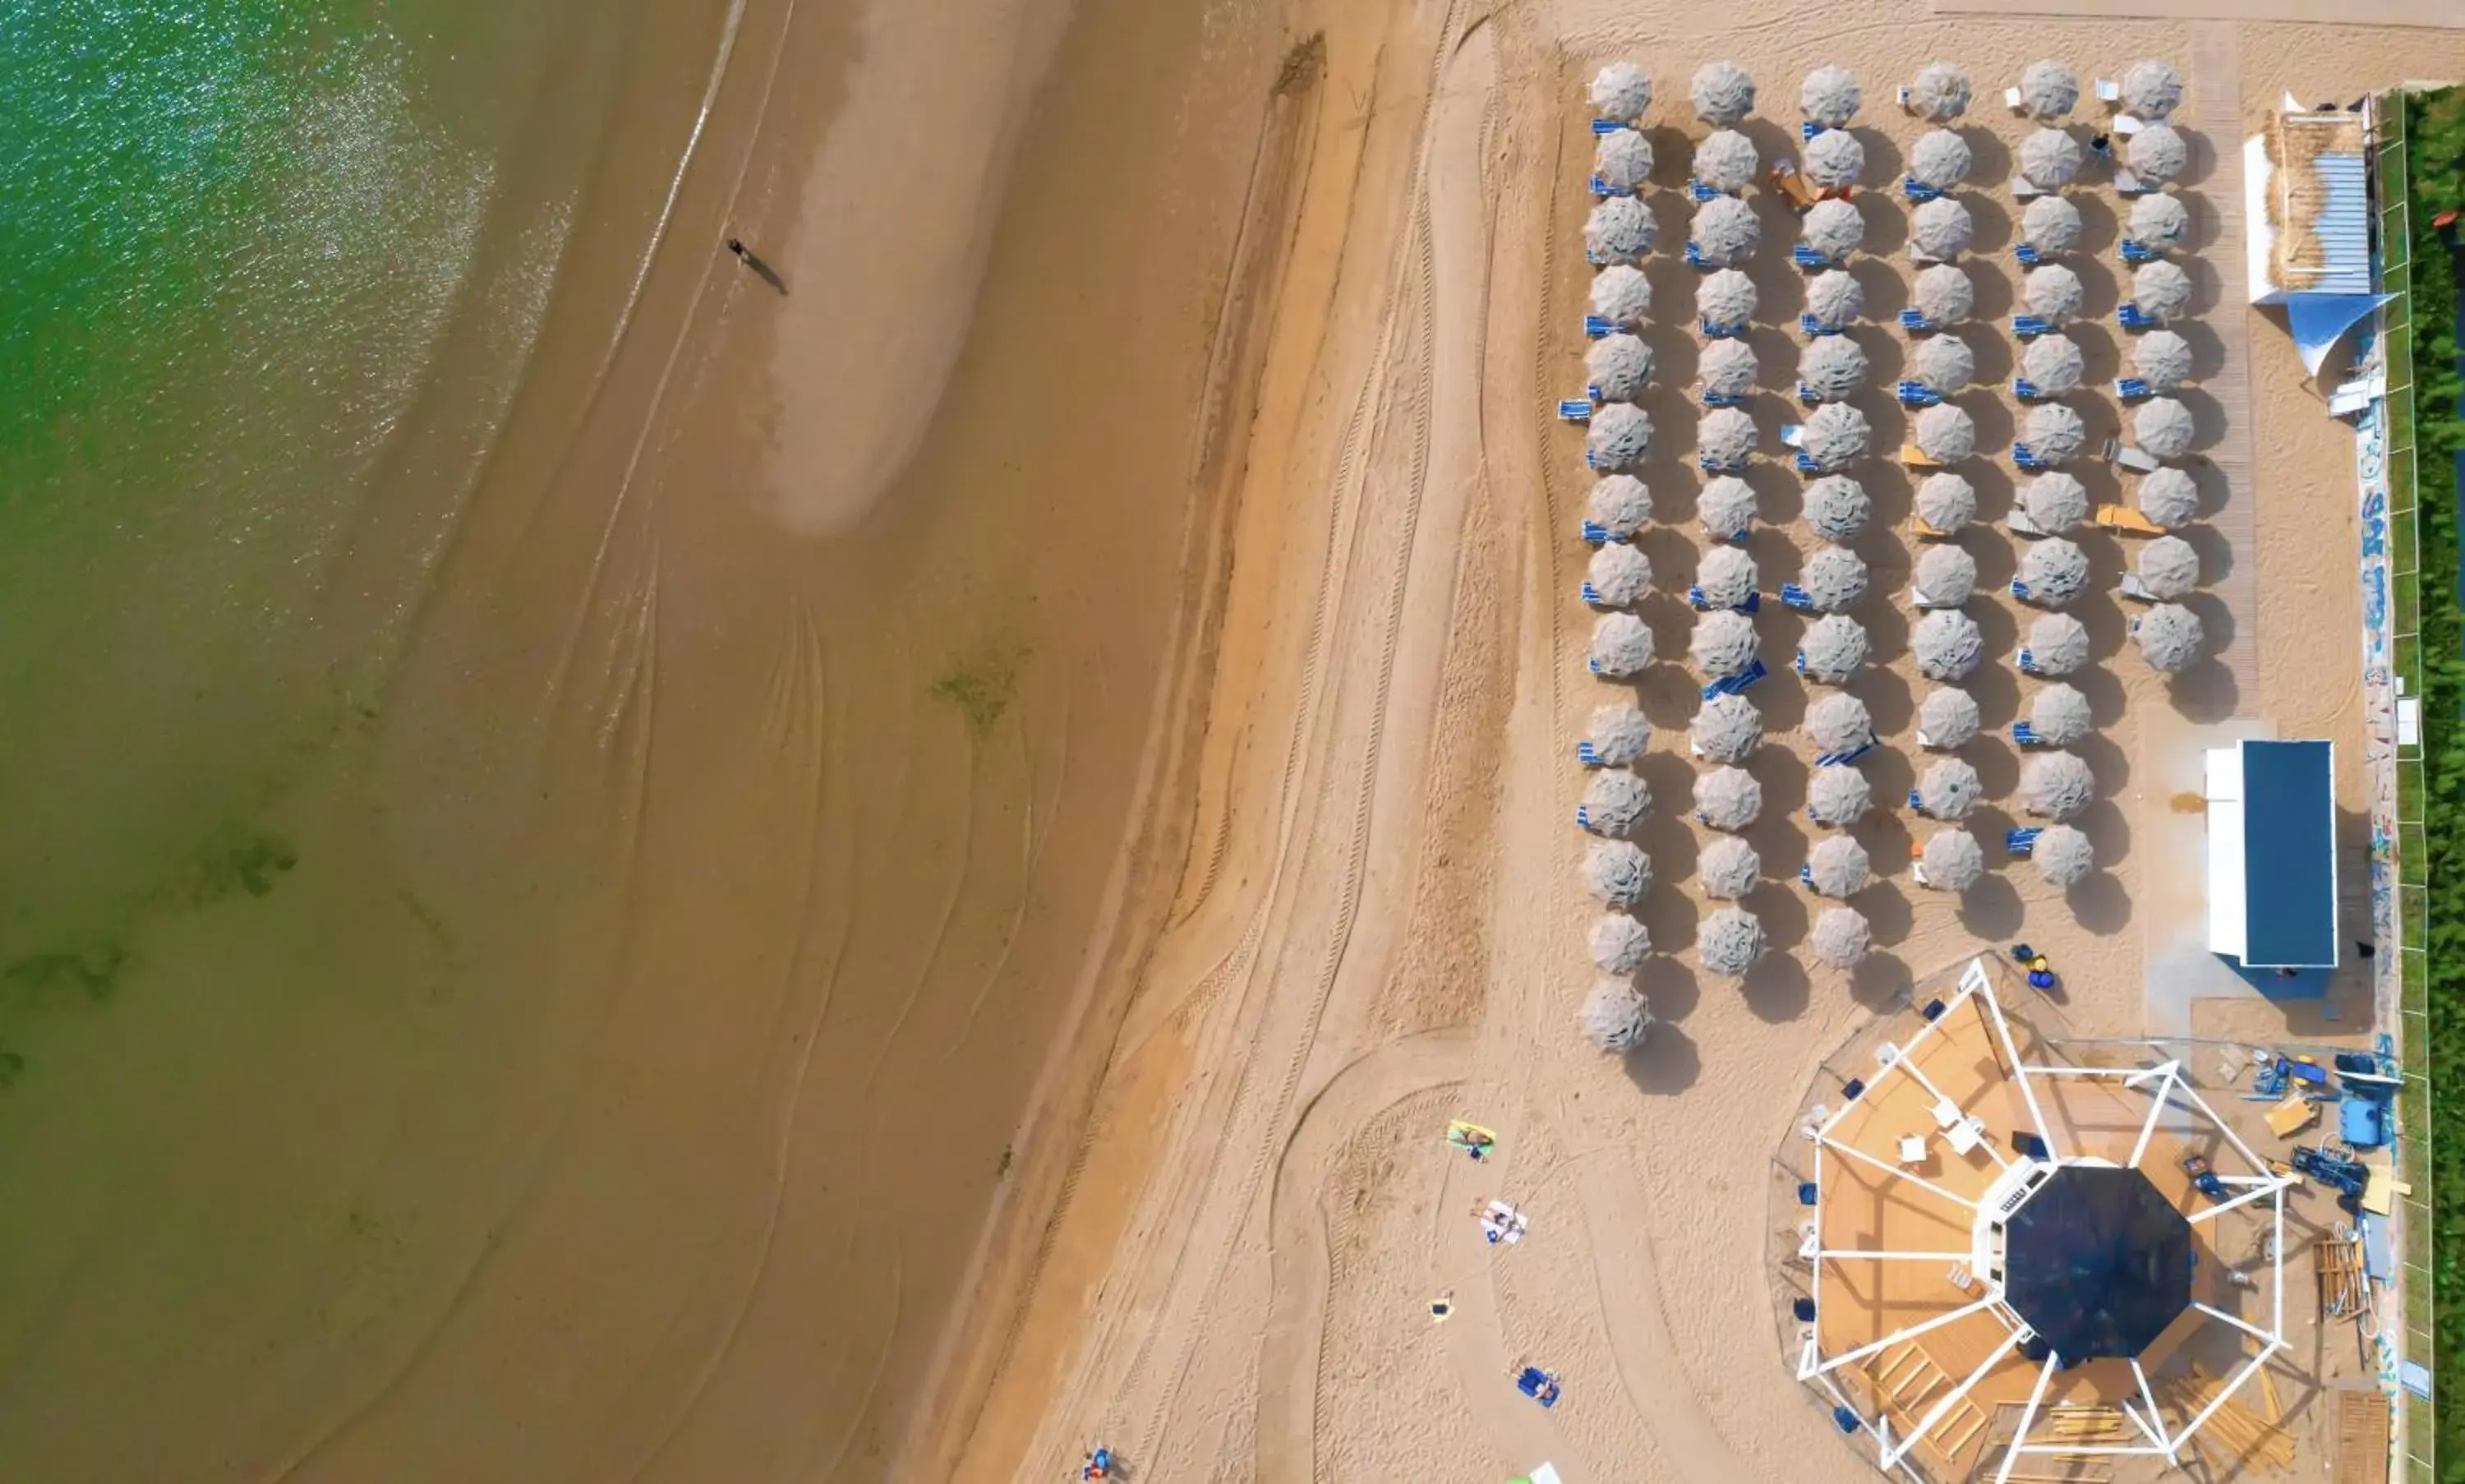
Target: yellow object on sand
x=1470 y=1136
x=2292 y=1116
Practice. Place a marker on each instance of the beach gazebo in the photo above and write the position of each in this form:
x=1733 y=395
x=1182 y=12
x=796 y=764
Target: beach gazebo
x=1621 y=93
x=1618 y=436
x=1940 y=158
x=1618 y=367
x=2050 y=158
x=2054 y=503
x=2168 y=568
x=1621 y=646
x=1615 y=1017
x=2056 y=785
x=1834 y=298
x=1945 y=576
x=2055 y=572
x=1729 y=869
x=1619 y=944
x=1939 y=92
x=2161 y=289
x=1730 y=941
x=2059 y=716
x=1833 y=228
x=2157 y=153
x=1721 y=92
x=2163 y=359
x=1829 y=97
x=1726 y=369
x=1622 y=160
x=2063 y=856
x=1834 y=434
x=1947 y=719
x=1724 y=644
x=1946 y=501
x=1621 y=295
x=2051 y=224
x=1943 y=294
x=1837 y=507
x=1946 y=433
x=1841 y=936
x=1618 y=735
x=1838 y=796
x=1835 y=579
x=2057 y=644
x=1943 y=363
x=1618 y=575
x=1833 y=368
x=1728 y=798
x=2170 y=636
x=1617 y=872
x=1833 y=650
x=2163 y=427
x=1726 y=508
x=2048 y=90
x=1939 y=229
x=1951 y=860
x=1726 y=437
x=1615 y=801
x=2054 y=432
x=1619 y=504
x=1835 y=159
x=2152 y=90
x=1726 y=578
x=1839 y=722
x=1727 y=729
x=2169 y=498
x=1949 y=789
x=1948 y=645
x=1725 y=298
x=2159 y=220
x=1839 y=866
x=1620 y=229
x=2053 y=292
x=1726 y=161
x=2053 y=364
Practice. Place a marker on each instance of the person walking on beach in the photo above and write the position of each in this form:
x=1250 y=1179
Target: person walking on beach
x=753 y=261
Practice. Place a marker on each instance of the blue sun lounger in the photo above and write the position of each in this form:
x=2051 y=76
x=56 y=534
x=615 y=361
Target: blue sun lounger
x=2025 y=389
x=1807 y=129
x=1575 y=410
x=1595 y=326
x=1844 y=758
x=1694 y=597
x=2020 y=591
x=1713 y=331
x=2020 y=842
x=1915 y=323
x=2023 y=734
x=2029 y=257
x=1808 y=258
x=1793 y=596
x=1917 y=394
x=1806 y=464
x=1588 y=755
x=1811 y=326
x=2131 y=389
x=2131 y=316
x=1593 y=461
x=1724 y=399
x=1595 y=534
x=1710 y=465
x=1592 y=596
x=1601 y=187
x=1917 y=190
x=2030 y=327
x=1696 y=259
x=2137 y=253
x=2025 y=457
x=1806 y=395
x=2028 y=663
x=1699 y=191
x=1602 y=126
x=1737 y=684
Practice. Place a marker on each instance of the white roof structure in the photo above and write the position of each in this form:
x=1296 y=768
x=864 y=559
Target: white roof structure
x=2307 y=216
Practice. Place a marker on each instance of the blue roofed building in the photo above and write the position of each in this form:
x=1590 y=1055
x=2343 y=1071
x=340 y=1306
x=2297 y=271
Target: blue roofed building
x=2272 y=853
x=2307 y=225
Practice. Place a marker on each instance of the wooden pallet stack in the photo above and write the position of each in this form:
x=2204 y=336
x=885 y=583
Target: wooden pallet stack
x=2235 y=1439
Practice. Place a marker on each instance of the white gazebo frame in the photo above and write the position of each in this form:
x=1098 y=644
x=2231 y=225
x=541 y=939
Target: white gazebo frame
x=2163 y=1083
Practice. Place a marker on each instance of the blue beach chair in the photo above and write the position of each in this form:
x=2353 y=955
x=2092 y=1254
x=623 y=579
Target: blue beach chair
x=1917 y=394
x=2030 y=327
x=1808 y=258
x=2025 y=457
x=2023 y=734
x=1918 y=192
x=1806 y=130
x=2131 y=316
x=2026 y=389
x=1793 y=596
x=1701 y=192
x=2028 y=663
x=1815 y=328
x=2029 y=257
x=1575 y=410
x=2138 y=252
x=1696 y=259
x=1594 y=533
x=1844 y=758
x=1588 y=755
x=2131 y=389
x=1805 y=462
x=1713 y=331
x=1596 y=326
x=1724 y=399
x=1916 y=323
x=1539 y=1385
x=2020 y=842
x=1602 y=126
x=1737 y=684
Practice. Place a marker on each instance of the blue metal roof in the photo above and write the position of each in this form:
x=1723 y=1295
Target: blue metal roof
x=2289 y=854
x=2342 y=227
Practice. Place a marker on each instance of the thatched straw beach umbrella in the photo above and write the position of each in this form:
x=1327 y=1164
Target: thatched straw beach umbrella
x=1621 y=295
x=2163 y=359
x=1833 y=368
x=1946 y=501
x=1617 y=872
x=1621 y=91
x=1947 y=433
x=1944 y=294
x=1940 y=158
x=1943 y=363
x=1829 y=97
x=2048 y=90
x=1618 y=367
x=1726 y=161
x=1949 y=789
x=2163 y=427
x=2152 y=90
x=1834 y=228
x=2051 y=224
x=1616 y=1018
x=1946 y=644
x=1725 y=298
x=1620 y=229
x=1722 y=645
x=1726 y=577
x=2050 y=158
x=1728 y=368
x=2055 y=501
x=1729 y=869
x=2170 y=636
x=1619 y=944
x=1834 y=298
x=2159 y=220
x=2057 y=644
x=2059 y=716
x=1834 y=579
x=2158 y=153
x=1953 y=860
x=1839 y=722
x=1841 y=938
x=1833 y=434
x=2056 y=572
x=1839 y=866
x=1838 y=796
x=1618 y=504
x=1728 y=798
x=1726 y=508
x=1833 y=650
x=2162 y=289
x=1618 y=735
x=1727 y=729
x=1721 y=92
x=2056 y=785
x=2063 y=856
x=2054 y=432
x=1730 y=941
x=2169 y=567
x=1947 y=718
x=1836 y=507
x=2053 y=364
x=1940 y=228
x=2169 y=498
x=1618 y=574
x=1939 y=92
x=1614 y=800
x=1622 y=159
x=1621 y=645
x=1833 y=159
x=2053 y=292
x=1725 y=435
x=1725 y=230
x=1618 y=435
x=1947 y=575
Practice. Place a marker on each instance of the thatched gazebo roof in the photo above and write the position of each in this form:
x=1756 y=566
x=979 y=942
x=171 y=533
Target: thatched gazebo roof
x=1721 y=93
x=2161 y=288
x=2159 y=220
x=1726 y=161
x=1725 y=435
x=1619 y=734
x=2056 y=784
x=1940 y=228
x=1946 y=501
x=1726 y=297
x=1618 y=435
x=2057 y=643
x=1727 y=729
x=1619 y=574
x=1952 y=860
x=1833 y=228
x=1947 y=574
x=2059 y=716
x=1946 y=433
x=1616 y=1018
x=1835 y=159
x=2169 y=497
x=1841 y=936
x=2169 y=567
x=1727 y=507
x=1839 y=866
x=1728 y=798
x=1730 y=941
x=1620 y=229
x=1833 y=650
x=1829 y=97
x=1726 y=576
x=1836 y=507
x=2053 y=364
x=2163 y=359
x=1729 y=869
x=1838 y=796
x=1615 y=800
x=2056 y=572
x=2164 y=427
x=2050 y=158
x=1726 y=368
x=1618 y=504
x=1619 y=944
x=1621 y=91
x=2048 y=90
x=1621 y=295
x=2170 y=636
x=1946 y=644
x=1944 y=294
x=2054 y=503
x=1948 y=718
x=1834 y=298
x=1833 y=434
x=2051 y=224
x=2152 y=90
x=2053 y=292
x=2063 y=856
x=1621 y=645
x=1940 y=158
x=1833 y=368
x=1618 y=367
x=1722 y=645
x=1839 y=722
x=1949 y=789
x=1835 y=579
x=1622 y=159
x=2053 y=432
x=1943 y=363
x=1939 y=92
x=2158 y=153
x=1617 y=872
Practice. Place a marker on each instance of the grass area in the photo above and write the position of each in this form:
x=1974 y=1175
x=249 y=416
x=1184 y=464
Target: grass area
x=2435 y=183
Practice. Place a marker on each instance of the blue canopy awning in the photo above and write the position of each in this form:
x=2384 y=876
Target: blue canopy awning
x=2319 y=321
